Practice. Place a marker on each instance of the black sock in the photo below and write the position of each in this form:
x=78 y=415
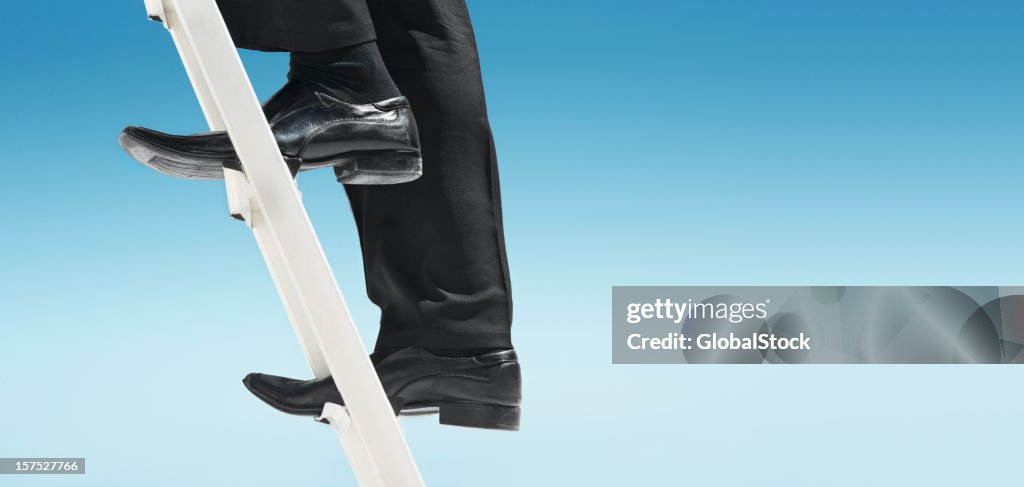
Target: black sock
x=354 y=74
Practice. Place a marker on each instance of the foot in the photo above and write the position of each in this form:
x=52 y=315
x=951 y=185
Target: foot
x=482 y=391
x=375 y=143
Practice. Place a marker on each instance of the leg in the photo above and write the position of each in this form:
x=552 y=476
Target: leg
x=434 y=249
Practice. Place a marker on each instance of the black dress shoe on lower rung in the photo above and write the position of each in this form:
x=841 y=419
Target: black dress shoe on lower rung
x=374 y=143
x=483 y=391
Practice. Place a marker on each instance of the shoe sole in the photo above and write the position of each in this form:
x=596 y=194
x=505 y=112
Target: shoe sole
x=468 y=414
x=381 y=167
x=377 y=167
x=465 y=414
x=486 y=416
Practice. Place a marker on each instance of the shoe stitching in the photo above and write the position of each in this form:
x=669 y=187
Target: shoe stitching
x=475 y=359
x=279 y=118
x=321 y=96
x=485 y=377
x=334 y=122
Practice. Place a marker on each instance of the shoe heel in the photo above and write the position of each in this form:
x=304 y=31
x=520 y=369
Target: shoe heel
x=378 y=167
x=479 y=416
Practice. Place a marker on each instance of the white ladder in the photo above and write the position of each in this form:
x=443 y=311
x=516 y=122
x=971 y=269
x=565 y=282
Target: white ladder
x=266 y=198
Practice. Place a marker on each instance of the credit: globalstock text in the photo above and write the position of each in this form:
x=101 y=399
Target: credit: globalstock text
x=714 y=341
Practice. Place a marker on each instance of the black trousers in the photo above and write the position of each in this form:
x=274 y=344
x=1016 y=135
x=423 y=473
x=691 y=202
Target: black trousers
x=433 y=249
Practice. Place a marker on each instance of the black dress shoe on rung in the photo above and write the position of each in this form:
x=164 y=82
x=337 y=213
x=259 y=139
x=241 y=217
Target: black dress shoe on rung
x=374 y=143
x=482 y=391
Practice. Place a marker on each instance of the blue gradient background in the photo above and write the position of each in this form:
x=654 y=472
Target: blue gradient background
x=641 y=143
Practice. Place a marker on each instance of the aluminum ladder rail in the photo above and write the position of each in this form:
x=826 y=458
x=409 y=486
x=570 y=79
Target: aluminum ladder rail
x=266 y=198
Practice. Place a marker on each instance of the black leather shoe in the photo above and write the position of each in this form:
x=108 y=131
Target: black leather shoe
x=375 y=143
x=483 y=391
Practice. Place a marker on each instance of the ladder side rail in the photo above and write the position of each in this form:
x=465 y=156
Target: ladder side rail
x=234 y=181
x=298 y=314
x=238 y=202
